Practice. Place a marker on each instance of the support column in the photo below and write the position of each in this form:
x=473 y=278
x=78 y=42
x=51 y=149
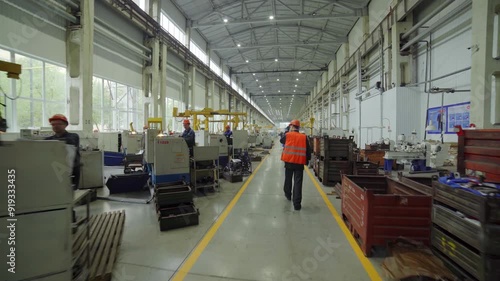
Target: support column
x=79 y=53
x=329 y=112
x=400 y=65
x=163 y=85
x=211 y=85
x=485 y=71
x=146 y=82
x=185 y=95
x=154 y=9
x=344 y=106
x=155 y=75
x=188 y=34
x=192 y=78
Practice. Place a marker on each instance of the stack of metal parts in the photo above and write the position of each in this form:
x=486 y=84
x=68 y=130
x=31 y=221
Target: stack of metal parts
x=246 y=162
x=336 y=158
x=233 y=172
x=315 y=155
x=466 y=211
x=175 y=206
x=466 y=231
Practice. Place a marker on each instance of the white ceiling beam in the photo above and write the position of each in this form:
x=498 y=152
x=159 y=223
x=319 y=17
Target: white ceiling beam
x=281 y=60
x=284 y=26
x=285 y=44
x=355 y=14
x=288 y=7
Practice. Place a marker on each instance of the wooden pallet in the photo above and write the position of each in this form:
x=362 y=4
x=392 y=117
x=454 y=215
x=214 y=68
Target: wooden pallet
x=105 y=239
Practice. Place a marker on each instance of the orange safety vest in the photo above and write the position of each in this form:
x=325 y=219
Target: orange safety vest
x=295 y=148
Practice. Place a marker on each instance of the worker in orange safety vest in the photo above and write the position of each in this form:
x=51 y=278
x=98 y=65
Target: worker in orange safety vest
x=296 y=154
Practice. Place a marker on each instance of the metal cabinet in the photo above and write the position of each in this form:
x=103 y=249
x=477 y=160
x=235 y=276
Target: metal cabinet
x=42 y=209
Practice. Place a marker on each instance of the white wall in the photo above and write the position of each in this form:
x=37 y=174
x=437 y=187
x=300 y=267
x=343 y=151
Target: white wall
x=173 y=13
x=22 y=33
x=198 y=40
x=105 y=65
x=331 y=69
x=449 y=53
x=199 y=90
x=377 y=10
x=355 y=36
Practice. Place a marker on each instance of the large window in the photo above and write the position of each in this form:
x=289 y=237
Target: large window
x=141 y=4
x=115 y=106
x=172 y=28
x=215 y=68
x=225 y=77
x=197 y=51
x=40 y=93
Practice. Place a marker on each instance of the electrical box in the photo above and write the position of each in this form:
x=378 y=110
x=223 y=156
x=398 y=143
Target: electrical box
x=31 y=134
x=149 y=151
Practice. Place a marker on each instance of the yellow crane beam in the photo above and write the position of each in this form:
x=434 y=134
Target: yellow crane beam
x=209 y=113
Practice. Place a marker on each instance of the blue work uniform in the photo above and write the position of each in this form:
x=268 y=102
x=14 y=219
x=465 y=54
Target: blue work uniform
x=188 y=136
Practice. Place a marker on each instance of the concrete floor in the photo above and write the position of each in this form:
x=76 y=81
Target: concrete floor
x=262 y=237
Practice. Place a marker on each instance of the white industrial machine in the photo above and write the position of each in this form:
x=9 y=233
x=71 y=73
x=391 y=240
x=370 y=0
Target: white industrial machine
x=437 y=154
x=92 y=169
x=131 y=142
x=36 y=181
x=221 y=142
x=201 y=138
x=258 y=139
x=32 y=134
x=110 y=141
x=267 y=142
x=171 y=160
x=252 y=140
x=149 y=143
x=423 y=156
x=240 y=139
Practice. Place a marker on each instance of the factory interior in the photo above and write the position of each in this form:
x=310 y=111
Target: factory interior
x=249 y=140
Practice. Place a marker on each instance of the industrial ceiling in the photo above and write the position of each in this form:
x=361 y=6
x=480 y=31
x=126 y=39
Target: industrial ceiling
x=277 y=48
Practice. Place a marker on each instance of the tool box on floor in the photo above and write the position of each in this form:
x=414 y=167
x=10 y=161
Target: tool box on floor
x=174 y=205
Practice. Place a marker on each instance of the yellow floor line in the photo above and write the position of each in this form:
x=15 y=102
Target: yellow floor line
x=372 y=272
x=191 y=260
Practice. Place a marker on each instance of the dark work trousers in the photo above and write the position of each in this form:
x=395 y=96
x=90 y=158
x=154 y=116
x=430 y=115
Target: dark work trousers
x=297 y=176
x=75 y=180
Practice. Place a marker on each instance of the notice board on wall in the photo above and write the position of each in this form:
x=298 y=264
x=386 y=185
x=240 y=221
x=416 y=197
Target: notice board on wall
x=453 y=115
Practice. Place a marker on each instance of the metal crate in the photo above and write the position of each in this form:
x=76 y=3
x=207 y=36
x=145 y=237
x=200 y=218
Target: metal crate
x=481 y=266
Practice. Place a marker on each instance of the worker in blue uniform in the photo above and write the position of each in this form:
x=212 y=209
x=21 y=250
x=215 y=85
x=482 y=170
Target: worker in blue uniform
x=188 y=135
x=59 y=123
x=228 y=133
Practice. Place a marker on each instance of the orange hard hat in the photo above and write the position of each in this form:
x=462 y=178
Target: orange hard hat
x=228 y=127
x=59 y=117
x=295 y=123
x=186 y=121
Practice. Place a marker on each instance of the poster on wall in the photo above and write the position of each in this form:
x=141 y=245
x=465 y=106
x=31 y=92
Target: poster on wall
x=458 y=114
x=453 y=115
x=434 y=118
